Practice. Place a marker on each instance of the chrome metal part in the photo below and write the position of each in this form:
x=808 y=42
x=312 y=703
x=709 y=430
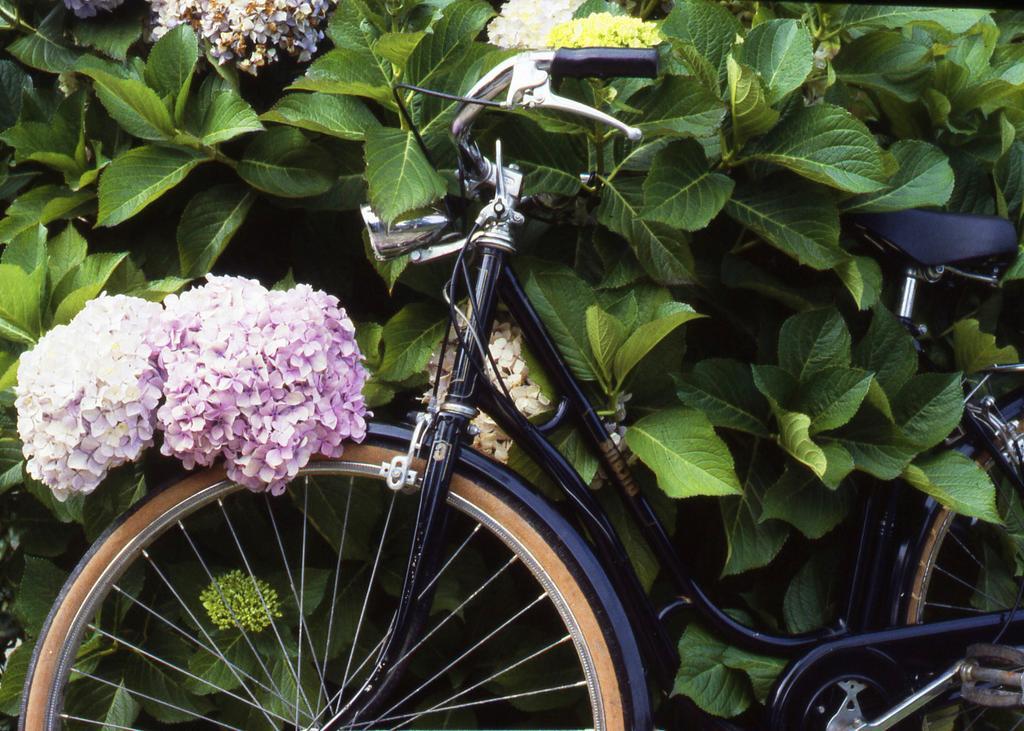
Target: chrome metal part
x=438 y=251
x=905 y=310
x=459 y=409
x=396 y=473
x=850 y=718
x=991 y=280
x=1006 y=433
x=389 y=241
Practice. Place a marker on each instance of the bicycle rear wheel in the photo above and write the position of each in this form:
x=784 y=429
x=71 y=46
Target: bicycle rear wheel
x=966 y=567
x=209 y=606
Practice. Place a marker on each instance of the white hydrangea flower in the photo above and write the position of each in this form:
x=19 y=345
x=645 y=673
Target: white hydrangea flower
x=87 y=394
x=249 y=33
x=527 y=23
x=506 y=346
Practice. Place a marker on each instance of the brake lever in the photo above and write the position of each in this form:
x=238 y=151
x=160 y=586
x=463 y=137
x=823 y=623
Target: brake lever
x=530 y=88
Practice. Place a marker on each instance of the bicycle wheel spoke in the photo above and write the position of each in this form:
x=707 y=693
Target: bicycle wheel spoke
x=239 y=673
x=410 y=717
x=337 y=578
x=496 y=675
x=956 y=608
x=960 y=581
x=167 y=663
x=160 y=701
x=490 y=635
x=968 y=551
x=266 y=608
x=94 y=722
x=455 y=555
x=366 y=599
x=234 y=617
x=299 y=595
x=455 y=612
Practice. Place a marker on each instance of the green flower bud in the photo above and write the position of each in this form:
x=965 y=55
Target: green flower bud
x=234 y=599
x=604 y=29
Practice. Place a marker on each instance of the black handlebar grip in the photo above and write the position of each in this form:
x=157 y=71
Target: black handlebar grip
x=605 y=63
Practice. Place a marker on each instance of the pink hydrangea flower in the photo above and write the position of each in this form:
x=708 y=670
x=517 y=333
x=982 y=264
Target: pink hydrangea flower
x=87 y=394
x=265 y=379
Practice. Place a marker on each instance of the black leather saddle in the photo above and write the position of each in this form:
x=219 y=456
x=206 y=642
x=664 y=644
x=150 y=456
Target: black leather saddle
x=934 y=238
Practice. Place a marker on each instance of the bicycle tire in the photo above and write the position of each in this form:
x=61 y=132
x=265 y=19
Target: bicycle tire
x=542 y=541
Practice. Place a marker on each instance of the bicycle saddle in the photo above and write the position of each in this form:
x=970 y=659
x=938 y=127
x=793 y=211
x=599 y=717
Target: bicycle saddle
x=933 y=238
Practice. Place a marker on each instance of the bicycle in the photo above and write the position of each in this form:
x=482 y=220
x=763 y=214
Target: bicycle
x=299 y=612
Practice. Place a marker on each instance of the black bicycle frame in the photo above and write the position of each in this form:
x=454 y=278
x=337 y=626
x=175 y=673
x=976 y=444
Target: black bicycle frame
x=886 y=541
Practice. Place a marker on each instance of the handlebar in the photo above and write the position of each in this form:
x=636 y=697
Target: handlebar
x=604 y=63
x=527 y=78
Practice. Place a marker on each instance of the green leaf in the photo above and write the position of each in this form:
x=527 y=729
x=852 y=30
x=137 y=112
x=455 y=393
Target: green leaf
x=708 y=29
x=925 y=178
x=606 y=335
x=802 y=500
x=957 y=482
x=720 y=679
x=21 y=296
x=751 y=114
x=111 y=35
x=703 y=678
x=682 y=190
x=810 y=342
x=65 y=252
x=399 y=176
x=888 y=350
x=282 y=162
x=644 y=338
x=875 y=444
x=40 y=584
x=132 y=104
x=832 y=396
x=826 y=144
x=458 y=25
x=688 y=458
x=14 y=82
x=562 y=300
x=812 y=598
x=862 y=277
x=217 y=113
x=38 y=207
x=751 y=542
x=12 y=681
x=678 y=107
x=663 y=251
x=975 y=349
x=357 y=72
x=724 y=391
x=781 y=53
x=45 y=49
x=928 y=407
x=172 y=61
x=954 y=21
x=884 y=61
x=800 y=220
x=84 y=284
x=794 y=437
x=337 y=116
x=140 y=176
x=207 y=225
x=409 y=339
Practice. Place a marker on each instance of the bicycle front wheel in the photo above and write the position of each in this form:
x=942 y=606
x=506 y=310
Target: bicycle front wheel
x=209 y=606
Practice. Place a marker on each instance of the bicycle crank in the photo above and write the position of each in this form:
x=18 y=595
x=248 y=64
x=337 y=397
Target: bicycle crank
x=990 y=675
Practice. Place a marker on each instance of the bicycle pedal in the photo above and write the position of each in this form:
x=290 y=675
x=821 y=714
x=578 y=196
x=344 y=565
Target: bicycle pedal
x=993 y=676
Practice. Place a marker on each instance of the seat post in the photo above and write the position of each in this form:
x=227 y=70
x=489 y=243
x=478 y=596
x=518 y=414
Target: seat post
x=908 y=296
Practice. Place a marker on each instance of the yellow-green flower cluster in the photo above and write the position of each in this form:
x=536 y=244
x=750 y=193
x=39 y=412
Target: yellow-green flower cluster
x=604 y=29
x=235 y=596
